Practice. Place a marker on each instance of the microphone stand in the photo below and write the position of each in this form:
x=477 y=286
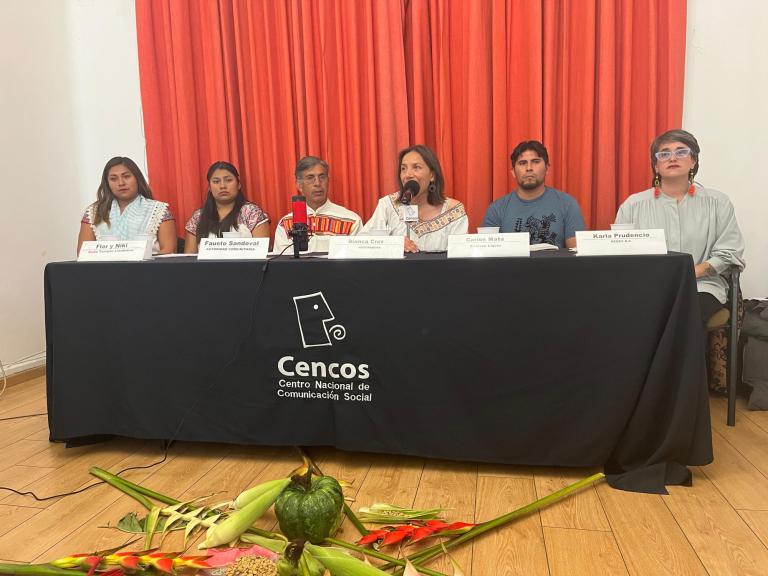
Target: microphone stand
x=300 y=236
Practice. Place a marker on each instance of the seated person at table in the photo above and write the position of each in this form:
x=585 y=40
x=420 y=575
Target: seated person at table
x=225 y=210
x=696 y=220
x=324 y=218
x=548 y=215
x=438 y=216
x=124 y=210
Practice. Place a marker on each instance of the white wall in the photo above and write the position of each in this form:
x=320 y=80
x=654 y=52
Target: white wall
x=726 y=107
x=69 y=101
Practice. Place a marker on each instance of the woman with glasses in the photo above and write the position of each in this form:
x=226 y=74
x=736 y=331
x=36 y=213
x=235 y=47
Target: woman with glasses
x=225 y=210
x=697 y=220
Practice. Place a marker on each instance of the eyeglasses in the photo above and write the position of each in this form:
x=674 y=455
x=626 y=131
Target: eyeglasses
x=309 y=178
x=678 y=154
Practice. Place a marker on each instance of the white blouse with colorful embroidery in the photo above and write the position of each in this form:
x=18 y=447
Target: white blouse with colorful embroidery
x=248 y=218
x=429 y=235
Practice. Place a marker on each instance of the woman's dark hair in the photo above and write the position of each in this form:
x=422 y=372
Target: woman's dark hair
x=529 y=145
x=436 y=193
x=209 y=218
x=104 y=194
x=682 y=136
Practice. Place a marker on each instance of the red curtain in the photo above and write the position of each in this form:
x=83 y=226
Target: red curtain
x=264 y=82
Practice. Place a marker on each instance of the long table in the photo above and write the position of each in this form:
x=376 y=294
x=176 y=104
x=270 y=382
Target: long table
x=552 y=360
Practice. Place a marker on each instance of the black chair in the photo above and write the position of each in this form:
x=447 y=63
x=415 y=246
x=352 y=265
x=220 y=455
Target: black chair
x=728 y=319
x=180 y=245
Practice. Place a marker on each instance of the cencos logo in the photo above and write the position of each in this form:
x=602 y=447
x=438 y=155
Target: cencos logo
x=314 y=316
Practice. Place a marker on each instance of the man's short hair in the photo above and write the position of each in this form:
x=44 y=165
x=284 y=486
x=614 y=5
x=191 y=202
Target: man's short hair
x=532 y=145
x=309 y=162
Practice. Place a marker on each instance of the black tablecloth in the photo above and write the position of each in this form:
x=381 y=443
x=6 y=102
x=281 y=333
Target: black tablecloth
x=549 y=360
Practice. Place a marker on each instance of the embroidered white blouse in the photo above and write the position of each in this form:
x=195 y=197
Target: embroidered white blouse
x=429 y=235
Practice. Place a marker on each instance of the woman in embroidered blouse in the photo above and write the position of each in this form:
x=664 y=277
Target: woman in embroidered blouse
x=124 y=209
x=439 y=216
x=697 y=220
x=225 y=210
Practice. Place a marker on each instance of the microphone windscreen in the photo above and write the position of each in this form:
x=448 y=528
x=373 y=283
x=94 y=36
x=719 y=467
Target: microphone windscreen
x=299 y=208
x=413 y=187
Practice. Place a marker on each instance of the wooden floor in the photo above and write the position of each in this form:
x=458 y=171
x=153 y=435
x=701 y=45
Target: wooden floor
x=717 y=527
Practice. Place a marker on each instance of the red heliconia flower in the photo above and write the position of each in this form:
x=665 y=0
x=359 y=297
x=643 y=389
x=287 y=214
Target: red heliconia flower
x=413 y=532
x=372 y=537
x=398 y=534
x=159 y=560
x=196 y=562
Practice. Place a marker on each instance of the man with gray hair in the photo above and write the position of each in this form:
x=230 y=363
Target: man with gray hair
x=324 y=218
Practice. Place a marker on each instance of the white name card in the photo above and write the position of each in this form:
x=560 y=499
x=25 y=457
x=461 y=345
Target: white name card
x=114 y=251
x=617 y=242
x=368 y=247
x=507 y=244
x=233 y=249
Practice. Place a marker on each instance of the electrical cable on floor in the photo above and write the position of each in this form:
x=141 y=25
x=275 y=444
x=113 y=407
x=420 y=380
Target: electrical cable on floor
x=24 y=416
x=167 y=444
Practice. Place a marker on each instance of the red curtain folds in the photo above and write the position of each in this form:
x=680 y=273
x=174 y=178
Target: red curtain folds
x=264 y=82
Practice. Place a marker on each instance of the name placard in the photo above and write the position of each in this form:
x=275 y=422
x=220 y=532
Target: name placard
x=368 y=247
x=233 y=249
x=506 y=244
x=617 y=242
x=114 y=251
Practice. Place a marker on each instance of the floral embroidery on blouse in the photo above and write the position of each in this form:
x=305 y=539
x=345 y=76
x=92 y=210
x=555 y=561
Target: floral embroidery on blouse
x=439 y=222
x=249 y=216
x=92 y=209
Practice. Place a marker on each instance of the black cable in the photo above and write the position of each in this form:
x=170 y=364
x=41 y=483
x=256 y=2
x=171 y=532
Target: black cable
x=25 y=416
x=205 y=392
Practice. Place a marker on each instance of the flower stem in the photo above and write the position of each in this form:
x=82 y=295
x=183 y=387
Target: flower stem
x=347 y=510
x=122 y=485
x=376 y=554
x=437 y=549
x=36 y=570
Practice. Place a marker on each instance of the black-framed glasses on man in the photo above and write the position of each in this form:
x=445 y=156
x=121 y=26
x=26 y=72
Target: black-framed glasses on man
x=678 y=154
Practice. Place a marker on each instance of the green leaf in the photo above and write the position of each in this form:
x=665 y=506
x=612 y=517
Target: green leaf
x=151 y=525
x=131 y=523
x=340 y=563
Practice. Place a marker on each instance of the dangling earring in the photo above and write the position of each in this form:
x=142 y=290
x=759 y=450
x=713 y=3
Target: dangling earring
x=656 y=186
x=691 y=189
x=432 y=187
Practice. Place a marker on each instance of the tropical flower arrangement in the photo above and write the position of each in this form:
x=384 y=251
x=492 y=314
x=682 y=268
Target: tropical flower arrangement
x=309 y=507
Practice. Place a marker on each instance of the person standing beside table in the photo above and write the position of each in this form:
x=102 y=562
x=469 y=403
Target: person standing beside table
x=324 y=218
x=548 y=215
x=225 y=211
x=696 y=220
x=124 y=210
x=438 y=215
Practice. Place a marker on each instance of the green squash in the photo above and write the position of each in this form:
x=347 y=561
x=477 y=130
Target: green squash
x=310 y=510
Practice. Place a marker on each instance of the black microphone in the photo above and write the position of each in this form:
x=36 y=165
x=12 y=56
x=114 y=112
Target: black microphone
x=299 y=232
x=410 y=190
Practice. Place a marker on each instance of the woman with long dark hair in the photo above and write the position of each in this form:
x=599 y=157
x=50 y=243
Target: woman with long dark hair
x=420 y=181
x=124 y=209
x=225 y=210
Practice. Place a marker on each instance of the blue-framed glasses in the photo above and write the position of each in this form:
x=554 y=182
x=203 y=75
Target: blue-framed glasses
x=678 y=154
